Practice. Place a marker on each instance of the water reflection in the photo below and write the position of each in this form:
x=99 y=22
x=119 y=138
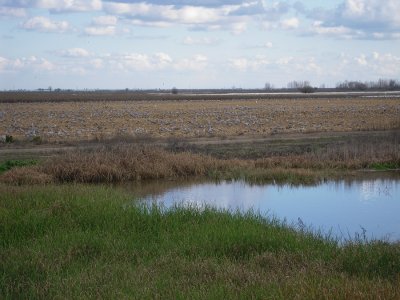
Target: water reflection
x=343 y=207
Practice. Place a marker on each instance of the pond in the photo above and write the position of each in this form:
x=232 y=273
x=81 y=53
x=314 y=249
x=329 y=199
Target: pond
x=367 y=207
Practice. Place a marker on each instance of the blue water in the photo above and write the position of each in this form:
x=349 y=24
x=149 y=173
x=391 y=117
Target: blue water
x=369 y=207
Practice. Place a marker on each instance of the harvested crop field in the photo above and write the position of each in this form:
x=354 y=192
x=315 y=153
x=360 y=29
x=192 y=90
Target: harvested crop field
x=76 y=121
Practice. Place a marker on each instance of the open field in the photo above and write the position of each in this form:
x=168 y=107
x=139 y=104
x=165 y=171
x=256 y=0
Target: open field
x=91 y=242
x=101 y=120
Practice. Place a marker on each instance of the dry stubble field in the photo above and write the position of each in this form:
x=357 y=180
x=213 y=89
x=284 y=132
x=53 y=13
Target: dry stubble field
x=75 y=121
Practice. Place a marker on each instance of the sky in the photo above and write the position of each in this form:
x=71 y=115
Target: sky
x=154 y=44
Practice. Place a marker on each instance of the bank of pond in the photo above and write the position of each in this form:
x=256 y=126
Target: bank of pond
x=364 y=207
x=201 y=240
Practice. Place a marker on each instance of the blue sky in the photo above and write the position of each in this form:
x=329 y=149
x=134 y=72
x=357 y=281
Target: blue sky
x=196 y=44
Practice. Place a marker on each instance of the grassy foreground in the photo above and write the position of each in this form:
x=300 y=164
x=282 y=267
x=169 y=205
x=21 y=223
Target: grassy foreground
x=75 y=241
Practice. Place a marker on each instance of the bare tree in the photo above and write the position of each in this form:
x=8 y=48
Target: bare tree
x=302 y=86
x=268 y=86
x=381 y=84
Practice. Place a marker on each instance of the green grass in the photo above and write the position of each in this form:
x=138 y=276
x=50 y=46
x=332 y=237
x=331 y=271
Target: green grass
x=9 y=164
x=384 y=166
x=75 y=241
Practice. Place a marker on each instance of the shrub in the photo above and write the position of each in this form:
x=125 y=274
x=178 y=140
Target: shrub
x=307 y=89
x=37 y=140
x=9 y=139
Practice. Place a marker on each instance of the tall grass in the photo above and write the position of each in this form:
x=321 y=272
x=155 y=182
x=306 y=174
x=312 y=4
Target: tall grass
x=75 y=241
x=351 y=154
x=129 y=162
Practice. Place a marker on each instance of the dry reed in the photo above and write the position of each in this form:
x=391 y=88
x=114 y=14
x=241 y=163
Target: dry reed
x=350 y=155
x=121 y=163
x=129 y=162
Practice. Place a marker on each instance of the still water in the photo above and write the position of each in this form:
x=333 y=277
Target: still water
x=368 y=207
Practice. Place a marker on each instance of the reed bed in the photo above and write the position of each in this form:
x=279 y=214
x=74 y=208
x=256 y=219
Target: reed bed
x=130 y=162
x=353 y=154
x=120 y=163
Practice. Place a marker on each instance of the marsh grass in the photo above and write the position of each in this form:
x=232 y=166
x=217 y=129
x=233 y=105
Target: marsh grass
x=123 y=162
x=373 y=153
x=129 y=163
x=75 y=241
x=9 y=164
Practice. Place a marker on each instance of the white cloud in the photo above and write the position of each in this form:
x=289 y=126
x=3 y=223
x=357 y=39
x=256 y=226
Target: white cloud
x=385 y=64
x=291 y=23
x=75 y=52
x=4 y=62
x=284 y=65
x=375 y=11
x=150 y=62
x=200 y=41
x=238 y=27
x=361 y=60
x=196 y=63
x=69 y=5
x=128 y=9
x=308 y=65
x=140 y=62
x=334 y=31
x=286 y=24
x=239 y=63
x=97 y=63
x=12 y=12
x=105 y=21
x=32 y=62
x=361 y=19
x=207 y=3
x=245 y=64
x=268 y=45
x=230 y=15
x=104 y=30
x=158 y=24
x=161 y=60
x=194 y=17
x=378 y=65
x=44 y=24
x=284 y=60
x=168 y=13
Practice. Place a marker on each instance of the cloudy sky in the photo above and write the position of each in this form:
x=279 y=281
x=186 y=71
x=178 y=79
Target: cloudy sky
x=196 y=44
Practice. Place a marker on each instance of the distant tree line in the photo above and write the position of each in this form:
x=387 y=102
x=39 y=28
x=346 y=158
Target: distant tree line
x=381 y=84
x=305 y=86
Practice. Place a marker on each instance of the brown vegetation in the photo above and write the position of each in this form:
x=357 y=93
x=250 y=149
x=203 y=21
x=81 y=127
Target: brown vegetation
x=129 y=162
x=117 y=164
x=26 y=175
x=351 y=154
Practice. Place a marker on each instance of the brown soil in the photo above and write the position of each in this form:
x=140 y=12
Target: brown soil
x=84 y=121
